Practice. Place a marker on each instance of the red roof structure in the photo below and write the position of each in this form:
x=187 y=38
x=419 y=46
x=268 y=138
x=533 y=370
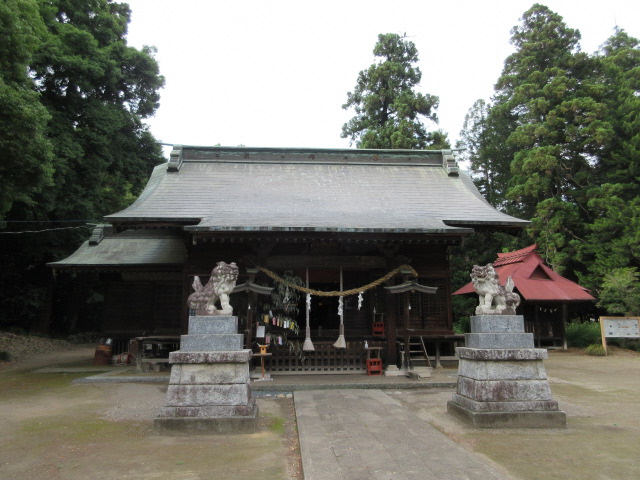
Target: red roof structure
x=534 y=280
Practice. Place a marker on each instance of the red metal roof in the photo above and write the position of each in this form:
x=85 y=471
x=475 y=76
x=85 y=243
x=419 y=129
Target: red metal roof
x=534 y=280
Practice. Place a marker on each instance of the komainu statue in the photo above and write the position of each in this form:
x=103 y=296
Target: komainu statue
x=219 y=287
x=494 y=298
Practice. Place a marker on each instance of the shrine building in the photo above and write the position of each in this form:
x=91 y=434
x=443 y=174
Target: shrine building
x=336 y=219
x=548 y=300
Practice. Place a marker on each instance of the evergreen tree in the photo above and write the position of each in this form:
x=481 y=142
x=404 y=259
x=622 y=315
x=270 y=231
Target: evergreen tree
x=489 y=159
x=388 y=109
x=558 y=127
x=26 y=166
x=619 y=162
x=612 y=241
x=562 y=140
x=95 y=91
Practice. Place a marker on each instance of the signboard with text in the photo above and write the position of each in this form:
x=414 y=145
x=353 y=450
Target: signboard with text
x=619 y=327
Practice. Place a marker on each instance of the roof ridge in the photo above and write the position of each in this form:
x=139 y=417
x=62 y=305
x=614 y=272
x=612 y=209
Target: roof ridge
x=514 y=257
x=529 y=249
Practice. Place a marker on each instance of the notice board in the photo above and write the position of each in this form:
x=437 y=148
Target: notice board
x=619 y=327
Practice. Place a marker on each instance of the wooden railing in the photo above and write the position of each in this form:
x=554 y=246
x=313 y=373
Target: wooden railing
x=325 y=359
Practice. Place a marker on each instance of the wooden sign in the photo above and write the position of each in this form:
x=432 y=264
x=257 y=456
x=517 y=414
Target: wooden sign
x=618 y=327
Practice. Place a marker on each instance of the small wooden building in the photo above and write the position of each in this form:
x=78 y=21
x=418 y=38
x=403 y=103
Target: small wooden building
x=325 y=213
x=548 y=300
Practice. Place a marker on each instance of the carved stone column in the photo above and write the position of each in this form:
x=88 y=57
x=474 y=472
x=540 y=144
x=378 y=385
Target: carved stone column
x=501 y=377
x=209 y=390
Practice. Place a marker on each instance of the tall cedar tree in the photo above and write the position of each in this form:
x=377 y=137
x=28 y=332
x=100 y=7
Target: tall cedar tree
x=557 y=129
x=388 y=109
x=96 y=90
x=561 y=139
x=26 y=166
x=613 y=236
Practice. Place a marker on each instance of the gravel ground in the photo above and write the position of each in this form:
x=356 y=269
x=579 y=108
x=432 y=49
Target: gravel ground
x=21 y=347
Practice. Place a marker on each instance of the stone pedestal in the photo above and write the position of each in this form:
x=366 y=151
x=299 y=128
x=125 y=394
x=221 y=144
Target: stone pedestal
x=501 y=377
x=209 y=390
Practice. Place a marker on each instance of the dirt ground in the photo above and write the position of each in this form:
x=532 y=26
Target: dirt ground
x=601 y=397
x=53 y=429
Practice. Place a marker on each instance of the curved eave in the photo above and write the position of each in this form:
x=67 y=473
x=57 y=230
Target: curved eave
x=478 y=224
x=208 y=228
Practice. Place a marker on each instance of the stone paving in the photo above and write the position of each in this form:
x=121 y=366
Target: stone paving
x=366 y=434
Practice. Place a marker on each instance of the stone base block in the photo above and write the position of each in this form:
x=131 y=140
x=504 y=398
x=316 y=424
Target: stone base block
x=532 y=419
x=209 y=411
x=202 y=395
x=211 y=343
x=505 y=370
x=502 y=354
x=499 y=340
x=213 y=325
x=206 y=426
x=210 y=357
x=504 y=390
x=497 y=324
x=393 y=371
x=205 y=374
x=515 y=406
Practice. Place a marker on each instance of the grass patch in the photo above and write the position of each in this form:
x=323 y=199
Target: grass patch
x=596 y=350
x=20 y=384
x=78 y=430
x=276 y=424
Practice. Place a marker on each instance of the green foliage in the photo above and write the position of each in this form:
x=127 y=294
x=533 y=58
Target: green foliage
x=26 y=153
x=388 y=109
x=559 y=144
x=73 y=96
x=478 y=249
x=557 y=110
x=612 y=240
x=596 y=350
x=581 y=335
x=462 y=325
x=620 y=294
x=633 y=345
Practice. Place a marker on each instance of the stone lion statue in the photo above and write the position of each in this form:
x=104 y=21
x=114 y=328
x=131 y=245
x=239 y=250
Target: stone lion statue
x=494 y=298
x=219 y=287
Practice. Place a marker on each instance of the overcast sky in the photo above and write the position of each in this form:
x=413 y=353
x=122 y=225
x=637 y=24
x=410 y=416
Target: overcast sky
x=276 y=73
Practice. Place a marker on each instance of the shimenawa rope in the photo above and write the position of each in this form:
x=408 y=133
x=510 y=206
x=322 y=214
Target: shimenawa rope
x=334 y=293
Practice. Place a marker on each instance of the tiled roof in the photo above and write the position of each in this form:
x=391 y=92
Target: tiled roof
x=514 y=257
x=249 y=189
x=534 y=280
x=149 y=248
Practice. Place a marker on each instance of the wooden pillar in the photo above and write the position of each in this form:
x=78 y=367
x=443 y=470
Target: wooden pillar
x=536 y=326
x=406 y=313
x=564 y=320
x=252 y=303
x=186 y=288
x=390 y=327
